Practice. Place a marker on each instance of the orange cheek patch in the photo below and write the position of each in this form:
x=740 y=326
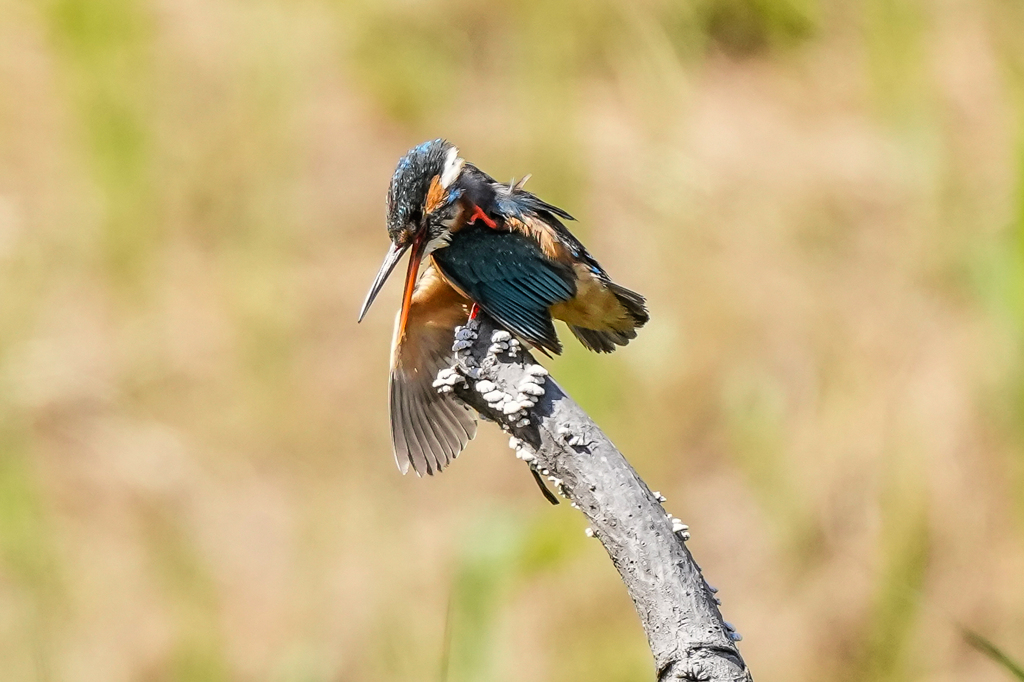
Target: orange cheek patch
x=434 y=195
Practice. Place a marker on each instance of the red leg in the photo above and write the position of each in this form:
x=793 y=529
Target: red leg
x=474 y=311
x=479 y=213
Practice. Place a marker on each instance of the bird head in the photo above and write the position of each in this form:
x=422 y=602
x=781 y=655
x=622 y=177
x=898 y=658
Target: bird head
x=422 y=202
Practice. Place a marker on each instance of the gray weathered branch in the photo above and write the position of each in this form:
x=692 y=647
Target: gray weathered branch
x=678 y=609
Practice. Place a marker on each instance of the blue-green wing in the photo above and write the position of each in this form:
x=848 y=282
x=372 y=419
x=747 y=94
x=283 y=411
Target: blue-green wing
x=510 y=278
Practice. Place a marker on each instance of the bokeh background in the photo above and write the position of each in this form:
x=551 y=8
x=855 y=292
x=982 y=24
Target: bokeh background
x=823 y=201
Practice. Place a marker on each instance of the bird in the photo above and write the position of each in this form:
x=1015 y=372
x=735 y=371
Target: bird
x=476 y=244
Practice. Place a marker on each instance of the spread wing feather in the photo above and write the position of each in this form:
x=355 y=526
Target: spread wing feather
x=428 y=430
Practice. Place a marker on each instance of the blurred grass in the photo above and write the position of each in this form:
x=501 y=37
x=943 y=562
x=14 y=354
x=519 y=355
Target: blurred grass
x=105 y=49
x=750 y=27
x=824 y=203
x=482 y=582
x=754 y=408
x=29 y=561
x=995 y=653
x=906 y=547
x=999 y=270
x=895 y=32
x=197 y=654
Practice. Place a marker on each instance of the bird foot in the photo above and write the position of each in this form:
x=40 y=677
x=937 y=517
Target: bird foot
x=479 y=213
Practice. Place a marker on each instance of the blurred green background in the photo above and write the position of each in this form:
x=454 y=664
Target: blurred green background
x=822 y=199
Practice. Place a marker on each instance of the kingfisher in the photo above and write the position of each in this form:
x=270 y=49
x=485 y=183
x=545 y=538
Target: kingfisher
x=476 y=244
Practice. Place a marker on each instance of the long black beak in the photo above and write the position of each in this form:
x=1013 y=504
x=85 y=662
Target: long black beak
x=390 y=261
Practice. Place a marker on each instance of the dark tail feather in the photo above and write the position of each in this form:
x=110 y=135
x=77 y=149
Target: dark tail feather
x=634 y=303
x=602 y=342
x=607 y=341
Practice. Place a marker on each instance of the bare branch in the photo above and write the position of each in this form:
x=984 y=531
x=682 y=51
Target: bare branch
x=678 y=609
